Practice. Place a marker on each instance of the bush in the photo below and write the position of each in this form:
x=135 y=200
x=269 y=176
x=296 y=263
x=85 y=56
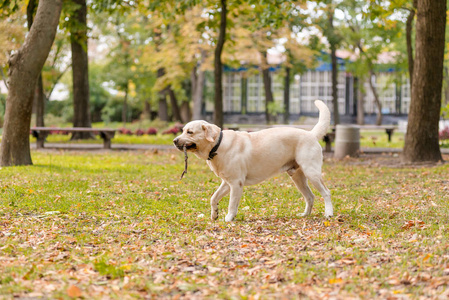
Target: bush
x=139 y=132
x=125 y=131
x=177 y=128
x=151 y=131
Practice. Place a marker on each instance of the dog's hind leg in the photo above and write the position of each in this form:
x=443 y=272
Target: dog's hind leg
x=222 y=191
x=300 y=181
x=313 y=174
x=234 y=200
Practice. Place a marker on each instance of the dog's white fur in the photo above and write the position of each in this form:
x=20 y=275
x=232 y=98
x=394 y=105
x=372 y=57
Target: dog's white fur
x=248 y=158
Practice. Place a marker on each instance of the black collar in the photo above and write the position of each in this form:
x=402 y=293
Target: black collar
x=213 y=152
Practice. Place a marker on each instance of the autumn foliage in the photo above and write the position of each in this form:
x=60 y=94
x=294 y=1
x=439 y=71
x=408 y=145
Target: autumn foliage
x=121 y=225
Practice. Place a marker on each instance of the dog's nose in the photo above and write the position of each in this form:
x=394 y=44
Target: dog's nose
x=175 y=141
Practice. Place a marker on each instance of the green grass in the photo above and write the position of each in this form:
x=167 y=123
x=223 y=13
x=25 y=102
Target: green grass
x=123 y=225
x=379 y=138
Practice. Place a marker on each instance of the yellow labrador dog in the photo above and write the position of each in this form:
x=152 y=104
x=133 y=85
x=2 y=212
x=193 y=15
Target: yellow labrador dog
x=240 y=158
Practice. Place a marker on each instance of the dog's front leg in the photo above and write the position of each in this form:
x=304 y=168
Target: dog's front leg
x=236 y=194
x=222 y=191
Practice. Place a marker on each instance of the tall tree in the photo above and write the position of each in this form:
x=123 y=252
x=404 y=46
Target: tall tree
x=218 y=66
x=25 y=67
x=325 y=21
x=39 y=96
x=197 y=79
x=266 y=77
x=408 y=33
x=80 y=69
x=368 y=36
x=334 y=40
x=421 y=139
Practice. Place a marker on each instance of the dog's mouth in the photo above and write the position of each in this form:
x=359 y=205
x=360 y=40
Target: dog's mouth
x=189 y=146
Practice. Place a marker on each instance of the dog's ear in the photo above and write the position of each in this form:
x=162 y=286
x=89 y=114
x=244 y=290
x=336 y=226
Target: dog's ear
x=209 y=132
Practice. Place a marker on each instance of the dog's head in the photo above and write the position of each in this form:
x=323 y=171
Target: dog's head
x=197 y=136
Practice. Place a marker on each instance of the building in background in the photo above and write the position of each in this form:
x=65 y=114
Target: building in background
x=244 y=96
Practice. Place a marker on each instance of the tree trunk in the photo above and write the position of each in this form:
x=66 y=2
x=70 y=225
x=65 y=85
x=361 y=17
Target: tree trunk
x=218 y=68
x=360 y=104
x=287 y=96
x=125 y=106
x=333 y=48
x=376 y=97
x=174 y=105
x=334 y=84
x=408 y=34
x=186 y=113
x=267 y=87
x=163 y=108
x=198 y=77
x=446 y=87
x=24 y=69
x=39 y=97
x=421 y=139
x=146 y=114
x=80 y=70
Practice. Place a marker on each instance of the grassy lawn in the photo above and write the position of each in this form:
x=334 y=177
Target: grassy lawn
x=122 y=225
x=380 y=139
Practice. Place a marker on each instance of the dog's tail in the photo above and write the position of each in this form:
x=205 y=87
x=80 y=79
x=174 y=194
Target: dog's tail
x=324 y=120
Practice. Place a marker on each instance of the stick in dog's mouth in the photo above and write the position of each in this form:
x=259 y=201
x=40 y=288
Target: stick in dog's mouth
x=185 y=161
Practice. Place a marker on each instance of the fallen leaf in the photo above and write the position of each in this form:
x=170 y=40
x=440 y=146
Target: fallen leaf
x=335 y=280
x=73 y=291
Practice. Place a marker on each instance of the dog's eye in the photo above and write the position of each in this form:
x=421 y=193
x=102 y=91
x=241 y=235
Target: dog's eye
x=189 y=132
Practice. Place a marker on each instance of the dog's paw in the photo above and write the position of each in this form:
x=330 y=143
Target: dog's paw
x=229 y=217
x=214 y=215
x=304 y=214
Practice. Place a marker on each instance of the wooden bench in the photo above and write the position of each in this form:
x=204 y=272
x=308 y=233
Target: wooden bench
x=41 y=133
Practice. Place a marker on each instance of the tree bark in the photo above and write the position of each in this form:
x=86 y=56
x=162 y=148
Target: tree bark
x=334 y=84
x=333 y=48
x=39 y=96
x=408 y=34
x=162 y=108
x=80 y=70
x=287 y=96
x=24 y=69
x=360 y=103
x=218 y=68
x=125 y=106
x=146 y=115
x=376 y=97
x=198 y=77
x=174 y=105
x=186 y=113
x=267 y=86
x=39 y=99
x=421 y=139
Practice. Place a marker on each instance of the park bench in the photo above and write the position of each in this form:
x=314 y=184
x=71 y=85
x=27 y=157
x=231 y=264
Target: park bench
x=40 y=133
